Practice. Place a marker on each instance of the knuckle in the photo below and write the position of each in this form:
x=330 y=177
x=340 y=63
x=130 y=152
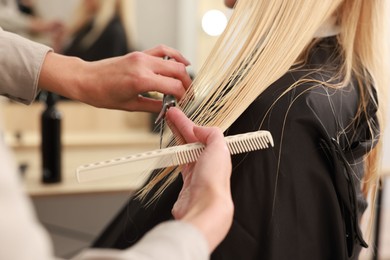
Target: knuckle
x=216 y=130
x=137 y=57
x=162 y=48
x=180 y=70
x=158 y=49
x=177 y=86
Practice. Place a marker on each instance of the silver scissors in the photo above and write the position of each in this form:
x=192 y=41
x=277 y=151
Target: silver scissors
x=168 y=102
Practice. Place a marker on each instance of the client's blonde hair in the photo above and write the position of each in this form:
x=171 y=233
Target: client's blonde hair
x=263 y=40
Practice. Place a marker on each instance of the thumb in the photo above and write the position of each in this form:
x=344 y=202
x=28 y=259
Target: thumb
x=209 y=135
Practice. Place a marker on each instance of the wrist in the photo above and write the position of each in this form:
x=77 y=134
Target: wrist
x=63 y=75
x=212 y=218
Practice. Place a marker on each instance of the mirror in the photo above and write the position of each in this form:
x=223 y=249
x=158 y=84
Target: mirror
x=176 y=23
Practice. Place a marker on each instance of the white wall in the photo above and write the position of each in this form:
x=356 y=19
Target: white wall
x=56 y=9
x=156 y=23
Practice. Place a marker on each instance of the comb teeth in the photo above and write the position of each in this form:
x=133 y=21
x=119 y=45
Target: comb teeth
x=241 y=143
x=249 y=142
x=190 y=155
x=171 y=156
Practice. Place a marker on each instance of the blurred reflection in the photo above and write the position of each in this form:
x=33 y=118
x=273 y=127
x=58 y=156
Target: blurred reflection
x=26 y=6
x=18 y=16
x=96 y=32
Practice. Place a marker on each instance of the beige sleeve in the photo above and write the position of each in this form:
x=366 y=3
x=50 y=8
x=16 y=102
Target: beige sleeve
x=173 y=240
x=20 y=62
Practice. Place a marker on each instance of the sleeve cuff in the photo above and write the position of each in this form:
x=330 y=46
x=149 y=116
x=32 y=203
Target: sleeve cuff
x=173 y=240
x=21 y=61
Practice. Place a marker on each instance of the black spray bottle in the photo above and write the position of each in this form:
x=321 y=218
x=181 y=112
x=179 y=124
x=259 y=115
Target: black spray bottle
x=51 y=140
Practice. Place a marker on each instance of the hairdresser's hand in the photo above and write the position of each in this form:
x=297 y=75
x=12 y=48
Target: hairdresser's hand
x=118 y=82
x=205 y=199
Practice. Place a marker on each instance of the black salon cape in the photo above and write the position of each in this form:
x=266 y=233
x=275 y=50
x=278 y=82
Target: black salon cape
x=298 y=200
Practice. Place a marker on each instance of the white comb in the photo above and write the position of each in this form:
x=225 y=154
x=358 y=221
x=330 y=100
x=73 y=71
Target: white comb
x=167 y=157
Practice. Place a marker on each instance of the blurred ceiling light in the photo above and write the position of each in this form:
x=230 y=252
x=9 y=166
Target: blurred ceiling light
x=214 y=22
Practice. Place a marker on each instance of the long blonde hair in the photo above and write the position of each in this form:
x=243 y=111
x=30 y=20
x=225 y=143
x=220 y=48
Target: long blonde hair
x=262 y=42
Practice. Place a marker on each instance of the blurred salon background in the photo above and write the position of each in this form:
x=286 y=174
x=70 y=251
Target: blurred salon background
x=75 y=213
